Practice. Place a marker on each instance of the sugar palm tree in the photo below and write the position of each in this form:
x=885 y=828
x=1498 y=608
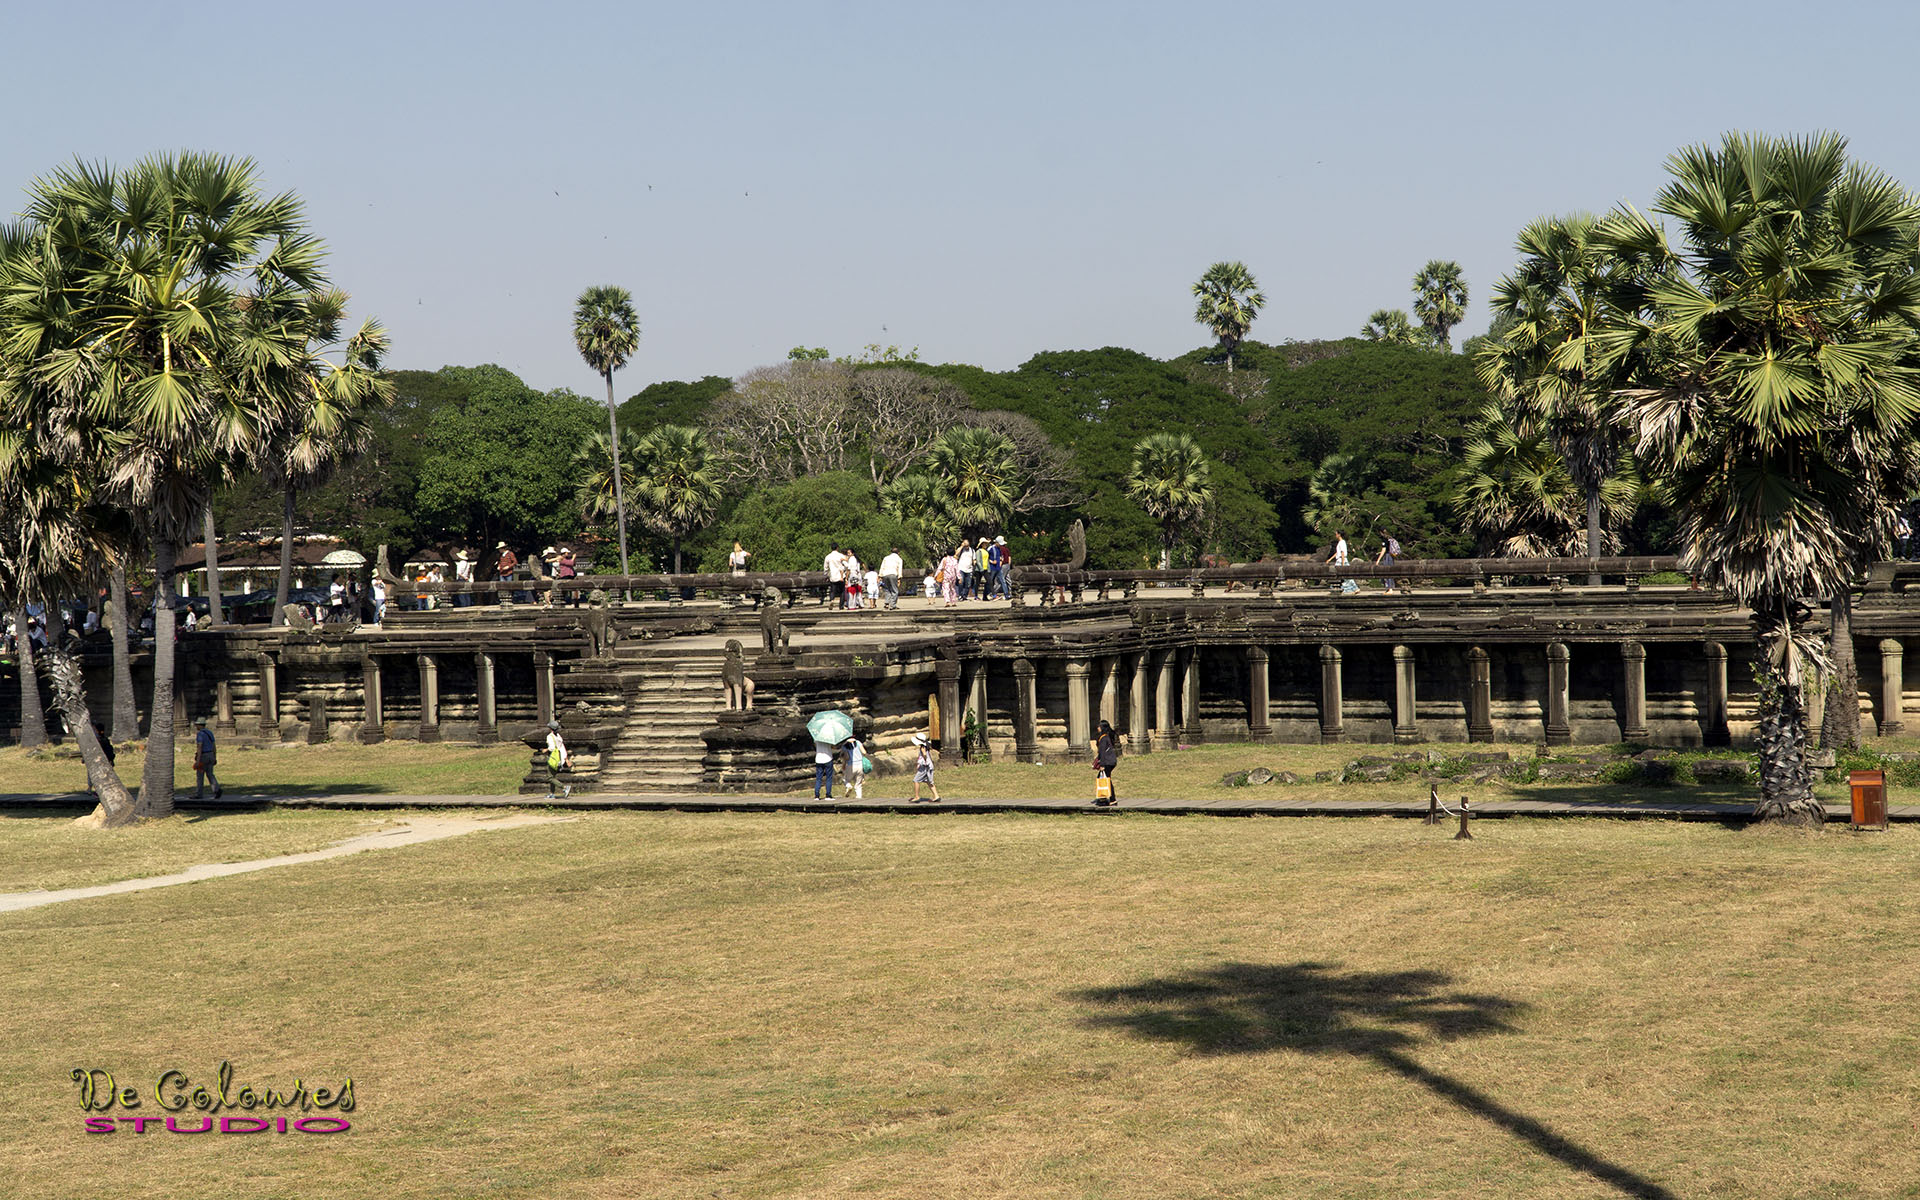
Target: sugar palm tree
x=679 y=486
x=1440 y=300
x=982 y=475
x=1548 y=370
x=1230 y=299
x=922 y=502
x=1169 y=479
x=1779 y=399
x=159 y=310
x=1391 y=325
x=1515 y=493
x=606 y=331
x=593 y=467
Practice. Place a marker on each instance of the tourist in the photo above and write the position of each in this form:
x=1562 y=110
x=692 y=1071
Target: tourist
x=890 y=568
x=990 y=578
x=1389 y=554
x=204 y=756
x=379 y=600
x=1339 y=559
x=737 y=559
x=966 y=569
x=1106 y=756
x=851 y=569
x=930 y=583
x=566 y=565
x=1005 y=575
x=504 y=563
x=949 y=575
x=193 y=620
x=822 y=768
x=870 y=588
x=856 y=753
x=923 y=761
x=463 y=572
x=337 y=599
x=558 y=759
x=836 y=569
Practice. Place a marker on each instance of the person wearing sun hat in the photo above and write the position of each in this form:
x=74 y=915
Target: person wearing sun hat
x=463 y=571
x=204 y=756
x=557 y=759
x=923 y=768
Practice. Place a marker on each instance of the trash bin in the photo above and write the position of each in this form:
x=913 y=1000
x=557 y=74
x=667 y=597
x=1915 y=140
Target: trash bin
x=1869 y=799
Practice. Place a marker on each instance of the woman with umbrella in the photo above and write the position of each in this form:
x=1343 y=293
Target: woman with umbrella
x=829 y=729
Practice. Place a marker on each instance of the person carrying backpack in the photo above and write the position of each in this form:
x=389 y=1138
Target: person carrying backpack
x=1106 y=756
x=1389 y=554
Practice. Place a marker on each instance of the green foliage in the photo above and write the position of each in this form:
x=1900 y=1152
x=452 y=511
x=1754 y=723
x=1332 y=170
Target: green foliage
x=923 y=502
x=1169 y=479
x=791 y=527
x=499 y=463
x=1229 y=300
x=671 y=402
x=1439 y=300
x=977 y=469
x=1392 y=325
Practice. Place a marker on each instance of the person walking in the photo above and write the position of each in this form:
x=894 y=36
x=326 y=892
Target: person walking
x=463 y=572
x=337 y=600
x=1389 y=554
x=205 y=755
x=737 y=559
x=854 y=575
x=1339 y=559
x=890 y=568
x=567 y=566
x=950 y=579
x=1005 y=574
x=504 y=565
x=856 y=752
x=836 y=569
x=923 y=768
x=965 y=559
x=822 y=769
x=558 y=758
x=379 y=600
x=1106 y=756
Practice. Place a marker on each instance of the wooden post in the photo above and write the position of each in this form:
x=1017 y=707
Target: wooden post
x=1405 y=730
x=429 y=698
x=1332 y=727
x=1479 y=695
x=1633 y=692
x=1259 y=696
x=1558 y=732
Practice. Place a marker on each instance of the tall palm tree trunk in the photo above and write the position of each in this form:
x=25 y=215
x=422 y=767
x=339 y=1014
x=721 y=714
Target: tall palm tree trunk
x=212 y=542
x=156 y=781
x=69 y=692
x=33 y=717
x=283 y=590
x=619 y=489
x=126 y=710
x=1786 y=778
x=1840 y=723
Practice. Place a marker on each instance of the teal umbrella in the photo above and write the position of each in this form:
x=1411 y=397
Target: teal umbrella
x=831 y=726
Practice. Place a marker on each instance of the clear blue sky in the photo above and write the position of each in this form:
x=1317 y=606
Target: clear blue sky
x=982 y=180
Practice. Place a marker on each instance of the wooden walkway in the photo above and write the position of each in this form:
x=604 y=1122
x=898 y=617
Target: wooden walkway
x=1266 y=805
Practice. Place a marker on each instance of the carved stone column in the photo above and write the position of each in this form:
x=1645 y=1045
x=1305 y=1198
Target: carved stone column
x=1559 y=732
x=1713 y=711
x=223 y=707
x=429 y=698
x=1163 y=738
x=1079 y=708
x=1259 y=696
x=1332 y=726
x=1892 y=685
x=947 y=672
x=543 y=686
x=373 y=711
x=976 y=692
x=1138 y=725
x=1024 y=747
x=1479 y=695
x=488 y=730
x=1633 y=692
x=269 y=694
x=1190 y=731
x=1405 y=731
x=1110 y=691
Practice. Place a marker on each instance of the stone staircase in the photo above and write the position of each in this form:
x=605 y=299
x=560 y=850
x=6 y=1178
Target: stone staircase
x=672 y=694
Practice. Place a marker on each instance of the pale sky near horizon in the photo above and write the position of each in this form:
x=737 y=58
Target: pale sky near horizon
x=983 y=181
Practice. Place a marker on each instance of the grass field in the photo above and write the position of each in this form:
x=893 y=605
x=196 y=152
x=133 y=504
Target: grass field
x=291 y=769
x=674 y=1005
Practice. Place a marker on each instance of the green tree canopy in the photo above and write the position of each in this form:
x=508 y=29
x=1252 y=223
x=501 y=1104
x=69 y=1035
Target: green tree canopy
x=792 y=526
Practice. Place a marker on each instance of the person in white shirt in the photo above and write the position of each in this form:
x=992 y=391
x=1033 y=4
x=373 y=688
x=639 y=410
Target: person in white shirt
x=1339 y=559
x=851 y=570
x=558 y=756
x=463 y=571
x=872 y=589
x=966 y=570
x=836 y=568
x=930 y=586
x=890 y=568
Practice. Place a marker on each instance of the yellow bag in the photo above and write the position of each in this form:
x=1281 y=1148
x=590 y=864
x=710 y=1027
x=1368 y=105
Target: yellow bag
x=1102 y=788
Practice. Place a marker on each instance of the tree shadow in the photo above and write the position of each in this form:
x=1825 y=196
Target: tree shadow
x=1315 y=1008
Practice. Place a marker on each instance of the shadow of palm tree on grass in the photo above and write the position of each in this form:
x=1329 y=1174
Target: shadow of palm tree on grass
x=1314 y=1008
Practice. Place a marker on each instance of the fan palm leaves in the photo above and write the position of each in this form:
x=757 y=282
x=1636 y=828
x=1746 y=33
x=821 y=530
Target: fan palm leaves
x=1229 y=300
x=923 y=502
x=1775 y=392
x=1440 y=300
x=593 y=466
x=606 y=331
x=982 y=476
x=679 y=487
x=1391 y=325
x=1516 y=495
x=1169 y=479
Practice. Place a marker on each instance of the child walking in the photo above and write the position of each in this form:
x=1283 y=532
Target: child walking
x=856 y=766
x=923 y=768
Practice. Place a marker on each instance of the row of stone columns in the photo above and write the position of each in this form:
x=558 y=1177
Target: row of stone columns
x=373 y=700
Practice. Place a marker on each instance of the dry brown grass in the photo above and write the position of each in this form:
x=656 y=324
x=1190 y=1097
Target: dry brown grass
x=670 y=1005
x=401 y=768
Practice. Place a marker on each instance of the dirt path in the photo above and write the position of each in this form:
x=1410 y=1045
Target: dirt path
x=411 y=832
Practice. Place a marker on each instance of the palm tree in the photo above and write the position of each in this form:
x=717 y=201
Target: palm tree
x=331 y=421
x=1515 y=493
x=923 y=502
x=981 y=473
x=160 y=310
x=1229 y=301
x=1779 y=402
x=679 y=487
x=1440 y=300
x=1336 y=495
x=593 y=467
x=606 y=331
x=1169 y=480
x=1548 y=370
x=1391 y=325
